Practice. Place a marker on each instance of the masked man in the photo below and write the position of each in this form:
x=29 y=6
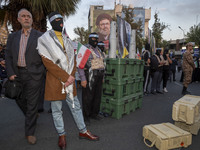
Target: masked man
x=57 y=53
x=91 y=80
x=156 y=67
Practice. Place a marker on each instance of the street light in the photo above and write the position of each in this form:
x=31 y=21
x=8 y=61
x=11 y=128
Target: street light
x=183 y=34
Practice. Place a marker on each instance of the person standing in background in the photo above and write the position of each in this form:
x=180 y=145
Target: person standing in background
x=166 y=69
x=91 y=80
x=24 y=62
x=188 y=67
x=173 y=68
x=156 y=71
x=146 y=57
x=195 y=74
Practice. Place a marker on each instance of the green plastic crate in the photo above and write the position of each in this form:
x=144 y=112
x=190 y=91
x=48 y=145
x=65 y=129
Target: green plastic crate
x=139 y=100
x=138 y=67
x=116 y=108
x=116 y=68
x=133 y=103
x=116 y=88
x=136 y=86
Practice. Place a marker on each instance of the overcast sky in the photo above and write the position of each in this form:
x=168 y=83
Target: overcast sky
x=183 y=13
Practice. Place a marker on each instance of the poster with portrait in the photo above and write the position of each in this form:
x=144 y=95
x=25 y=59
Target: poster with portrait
x=101 y=25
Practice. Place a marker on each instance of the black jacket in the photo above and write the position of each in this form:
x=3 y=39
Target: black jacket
x=33 y=60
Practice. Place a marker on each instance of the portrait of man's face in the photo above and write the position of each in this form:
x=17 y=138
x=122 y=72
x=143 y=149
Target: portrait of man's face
x=104 y=27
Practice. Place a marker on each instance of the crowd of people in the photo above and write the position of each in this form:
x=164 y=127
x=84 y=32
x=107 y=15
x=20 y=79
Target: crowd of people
x=49 y=59
x=161 y=67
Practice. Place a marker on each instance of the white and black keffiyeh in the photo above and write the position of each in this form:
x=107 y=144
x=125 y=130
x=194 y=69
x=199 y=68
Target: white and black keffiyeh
x=50 y=47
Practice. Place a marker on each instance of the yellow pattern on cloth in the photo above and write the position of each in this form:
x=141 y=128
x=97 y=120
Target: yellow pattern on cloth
x=59 y=36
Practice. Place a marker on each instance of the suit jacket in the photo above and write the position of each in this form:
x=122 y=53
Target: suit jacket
x=33 y=60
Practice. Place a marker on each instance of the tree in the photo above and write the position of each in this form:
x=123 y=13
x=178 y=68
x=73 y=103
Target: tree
x=194 y=35
x=39 y=9
x=83 y=34
x=129 y=15
x=165 y=44
x=158 y=28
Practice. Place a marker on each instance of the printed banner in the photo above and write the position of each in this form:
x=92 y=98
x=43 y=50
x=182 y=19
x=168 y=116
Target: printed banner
x=124 y=35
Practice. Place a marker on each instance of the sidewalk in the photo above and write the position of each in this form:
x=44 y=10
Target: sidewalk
x=122 y=134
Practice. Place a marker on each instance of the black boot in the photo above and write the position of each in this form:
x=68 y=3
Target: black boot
x=184 y=91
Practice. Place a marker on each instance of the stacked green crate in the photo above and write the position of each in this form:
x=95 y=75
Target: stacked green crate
x=116 y=108
x=117 y=69
x=122 y=84
x=139 y=100
x=116 y=89
x=136 y=68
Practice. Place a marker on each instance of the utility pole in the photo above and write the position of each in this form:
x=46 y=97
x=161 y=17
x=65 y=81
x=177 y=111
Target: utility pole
x=183 y=34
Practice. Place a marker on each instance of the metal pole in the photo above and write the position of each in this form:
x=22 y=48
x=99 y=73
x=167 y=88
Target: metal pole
x=112 y=52
x=183 y=34
x=132 y=47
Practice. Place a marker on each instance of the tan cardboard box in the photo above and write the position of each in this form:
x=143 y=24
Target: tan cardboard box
x=166 y=136
x=187 y=109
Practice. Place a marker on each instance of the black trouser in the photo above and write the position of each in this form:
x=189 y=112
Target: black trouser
x=28 y=103
x=174 y=74
x=91 y=98
x=41 y=98
x=165 y=77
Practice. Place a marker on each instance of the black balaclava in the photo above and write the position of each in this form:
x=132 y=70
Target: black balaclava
x=158 y=51
x=147 y=46
x=166 y=51
x=56 y=25
x=93 y=39
x=101 y=46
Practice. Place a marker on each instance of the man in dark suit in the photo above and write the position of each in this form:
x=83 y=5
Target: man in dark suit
x=24 y=62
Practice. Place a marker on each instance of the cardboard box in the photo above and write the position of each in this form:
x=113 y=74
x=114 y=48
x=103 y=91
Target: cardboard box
x=166 y=136
x=187 y=109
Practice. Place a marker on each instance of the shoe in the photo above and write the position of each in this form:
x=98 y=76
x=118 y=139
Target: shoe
x=88 y=136
x=186 y=92
x=159 y=92
x=31 y=139
x=62 y=142
x=165 y=90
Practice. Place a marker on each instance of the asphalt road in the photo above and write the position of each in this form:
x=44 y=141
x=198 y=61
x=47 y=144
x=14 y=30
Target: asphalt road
x=122 y=134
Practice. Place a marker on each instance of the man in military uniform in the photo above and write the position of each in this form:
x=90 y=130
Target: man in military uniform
x=188 y=67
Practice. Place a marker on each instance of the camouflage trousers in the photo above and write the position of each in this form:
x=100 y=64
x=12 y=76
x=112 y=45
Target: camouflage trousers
x=187 y=78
